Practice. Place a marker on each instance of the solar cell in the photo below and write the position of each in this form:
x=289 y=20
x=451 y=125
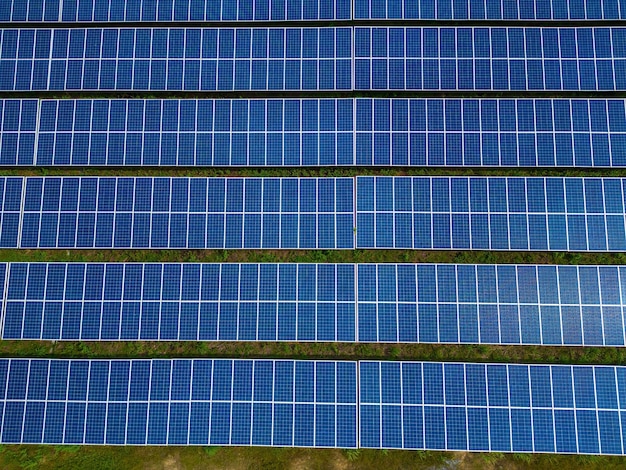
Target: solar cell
x=179 y=402
x=326 y=132
x=173 y=10
x=70 y=212
x=489 y=10
x=588 y=59
x=192 y=59
x=491 y=213
x=491 y=304
x=491 y=407
x=176 y=302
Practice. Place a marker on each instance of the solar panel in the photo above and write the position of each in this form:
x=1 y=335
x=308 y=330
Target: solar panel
x=491 y=304
x=490 y=58
x=179 y=402
x=176 y=302
x=250 y=213
x=193 y=59
x=173 y=10
x=491 y=213
x=492 y=407
x=393 y=303
x=485 y=132
x=311 y=132
x=489 y=10
x=196 y=132
x=18 y=129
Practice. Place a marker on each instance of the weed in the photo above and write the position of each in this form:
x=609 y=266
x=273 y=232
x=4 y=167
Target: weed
x=353 y=454
x=211 y=451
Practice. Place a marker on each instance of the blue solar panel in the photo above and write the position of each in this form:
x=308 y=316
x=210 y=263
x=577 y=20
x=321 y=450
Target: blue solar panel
x=68 y=212
x=327 y=132
x=11 y=190
x=492 y=407
x=447 y=303
x=175 y=302
x=490 y=58
x=491 y=304
x=484 y=132
x=490 y=9
x=179 y=402
x=491 y=213
x=196 y=132
x=173 y=10
x=223 y=59
x=18 y=128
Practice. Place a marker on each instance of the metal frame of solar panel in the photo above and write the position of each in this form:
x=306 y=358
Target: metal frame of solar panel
x=179 y=302
x=126 y=212
x=489 y=10
x=179 y=402
x=491 y=304
x=174 y=10
x=491 y=213
x=576 y=59
x=205 y=59
x=492 y=407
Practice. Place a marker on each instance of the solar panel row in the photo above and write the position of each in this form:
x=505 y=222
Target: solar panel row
x=173 y=10
x=209 y=302
x=179 y=402
x=177 y=59
x=567 y=214
x=268 y=10
x=314 y=132
x=490 y=10
x=314 y=59
x=492 y=407
x=478 y=213
x=490 y=58
x=484 y=304
x=410 y=405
